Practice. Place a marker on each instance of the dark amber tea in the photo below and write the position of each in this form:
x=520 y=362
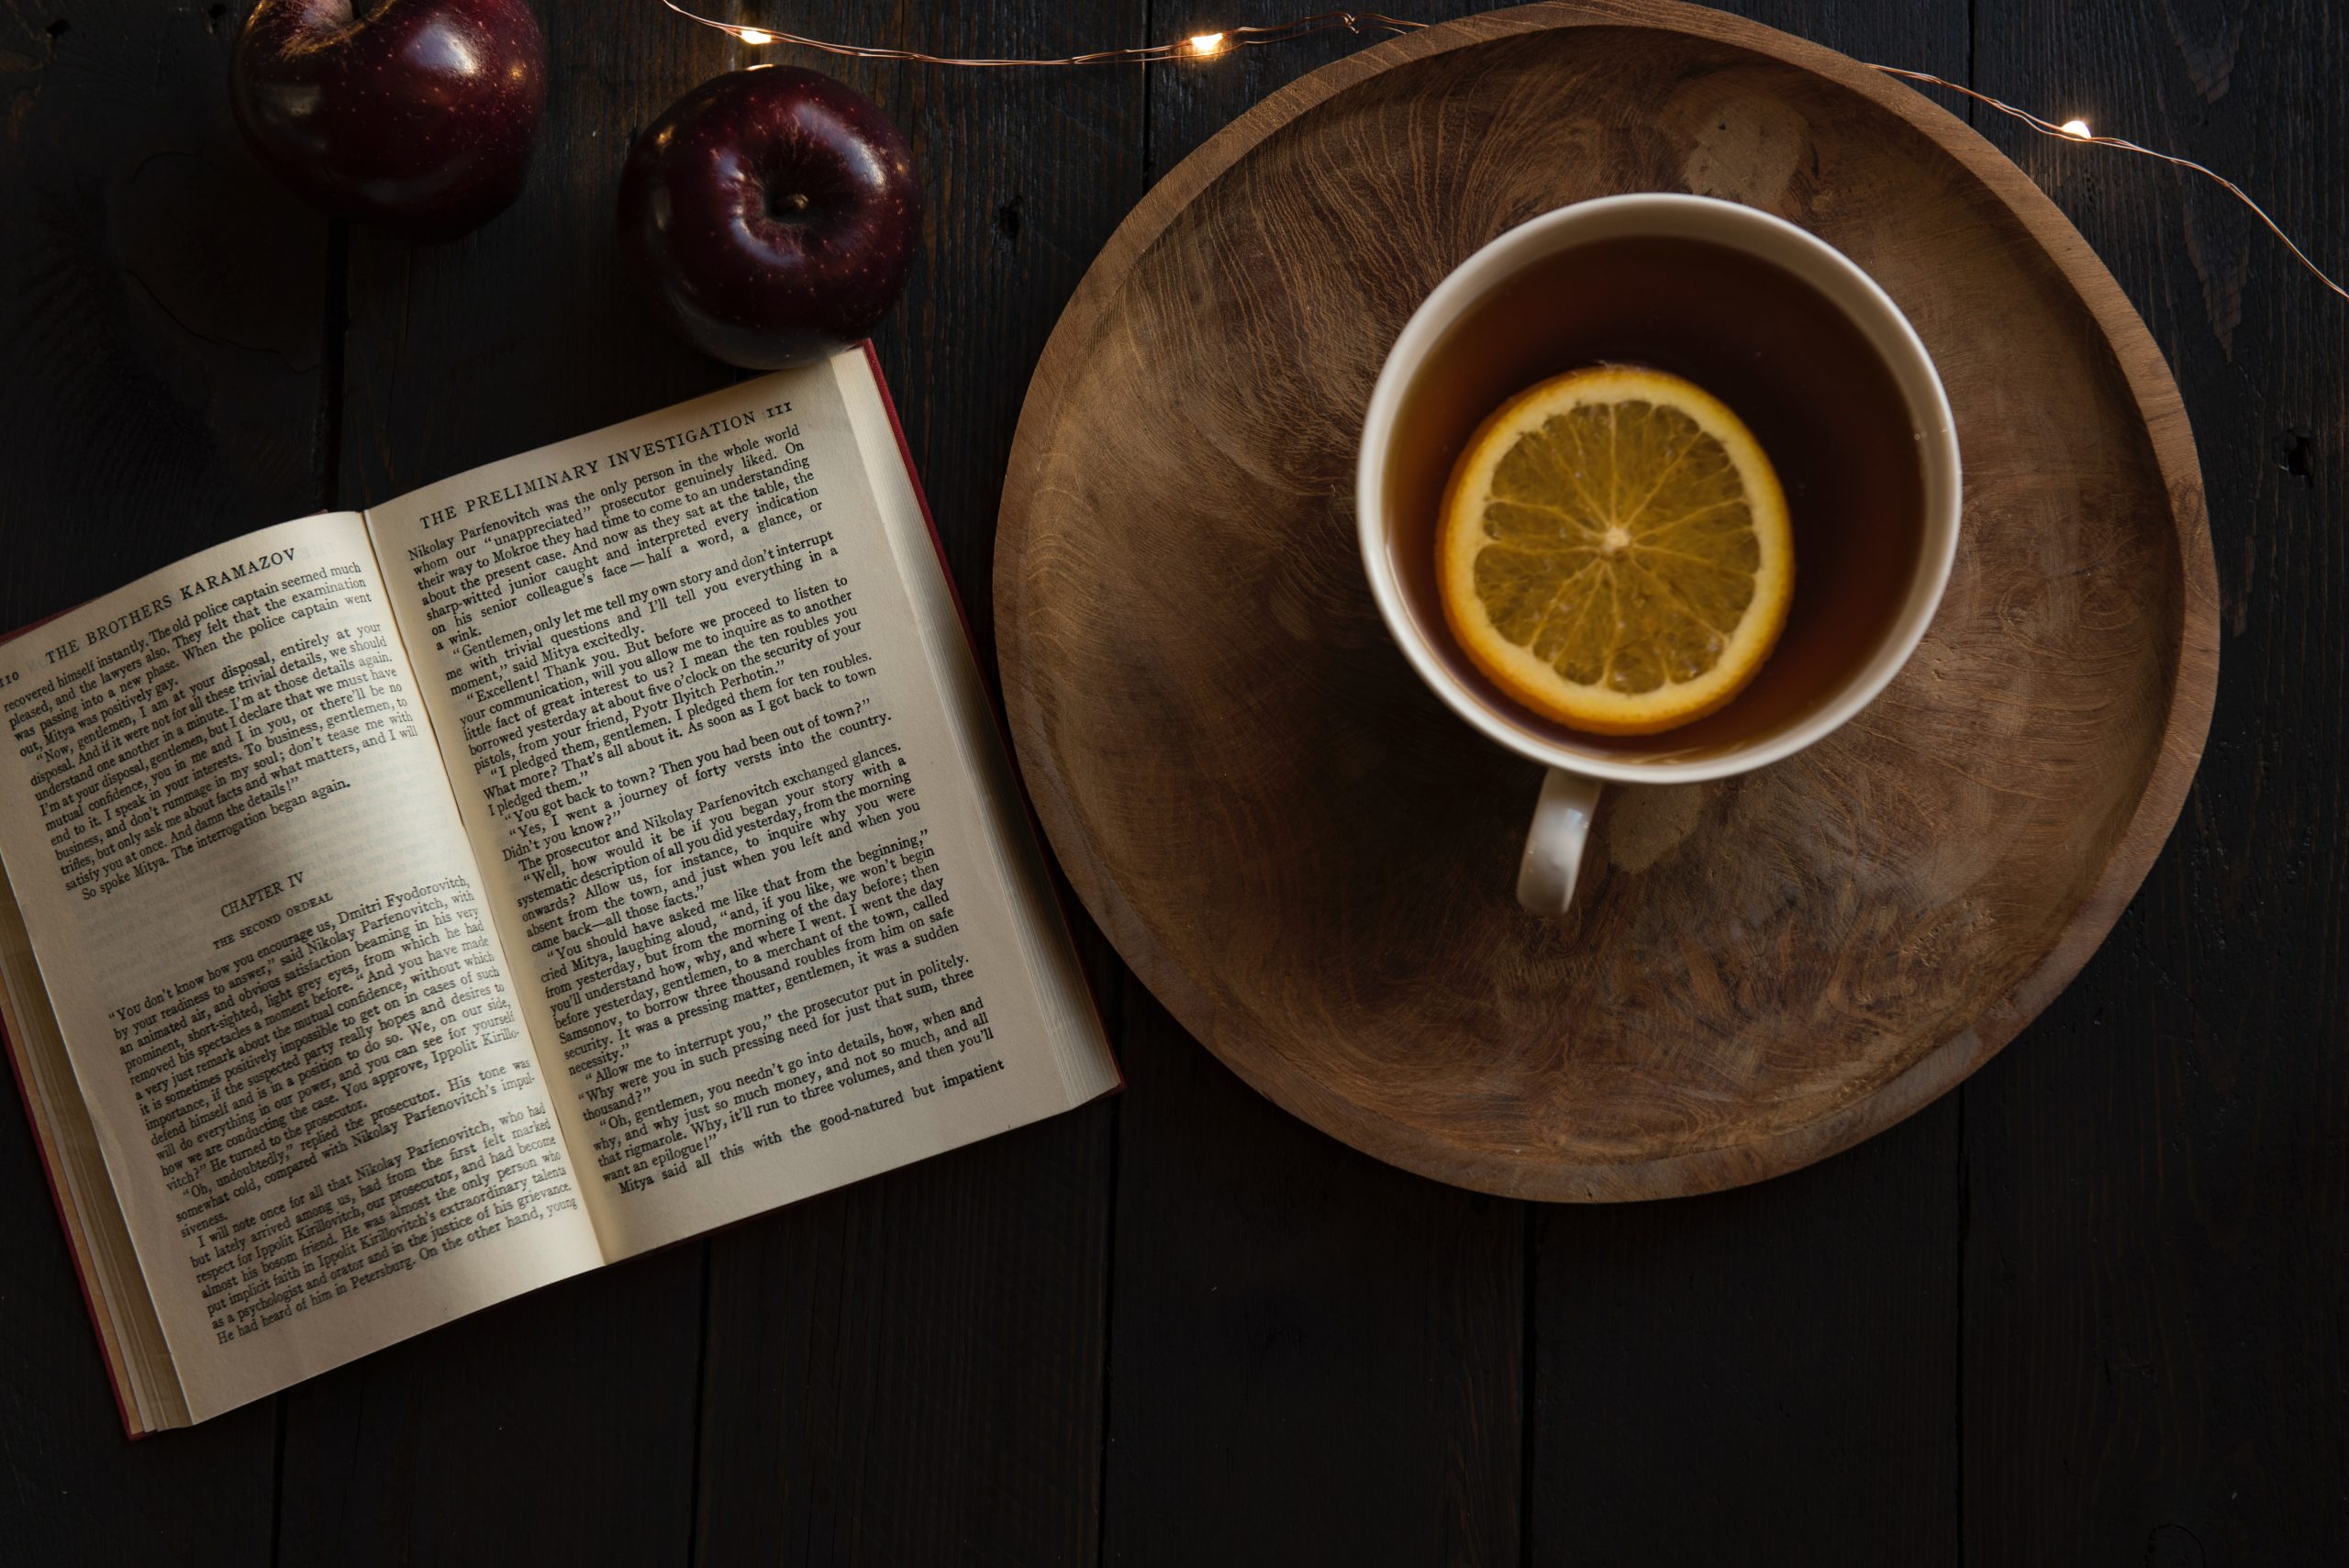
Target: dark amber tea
x=1804 y=380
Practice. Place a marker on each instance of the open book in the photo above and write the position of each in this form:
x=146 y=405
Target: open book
x=407 y=909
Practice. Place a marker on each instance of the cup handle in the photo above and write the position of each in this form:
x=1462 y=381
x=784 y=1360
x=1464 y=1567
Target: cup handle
x=1554 y=845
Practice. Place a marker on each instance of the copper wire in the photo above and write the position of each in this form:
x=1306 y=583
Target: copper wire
x=1198 y=46
x=1214 y=45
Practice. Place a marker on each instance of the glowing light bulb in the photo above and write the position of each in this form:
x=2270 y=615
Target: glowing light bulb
x=2077 y=129
x=1207 y=46
x=755 y=35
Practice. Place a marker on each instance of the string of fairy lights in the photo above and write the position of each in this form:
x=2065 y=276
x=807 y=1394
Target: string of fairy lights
x=1198 y=46
x=1205 y=47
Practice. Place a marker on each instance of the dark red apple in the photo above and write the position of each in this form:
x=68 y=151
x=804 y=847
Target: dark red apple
x=416 y=115
x=771 y=215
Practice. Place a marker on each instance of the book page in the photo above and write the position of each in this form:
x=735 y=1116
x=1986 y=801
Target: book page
x=273 y=964
x=709 y=774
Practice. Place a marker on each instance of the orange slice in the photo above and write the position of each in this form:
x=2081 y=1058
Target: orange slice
x=1614 y=550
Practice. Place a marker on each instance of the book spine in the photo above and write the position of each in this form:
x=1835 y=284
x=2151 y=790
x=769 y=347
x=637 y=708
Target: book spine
x=107 y=1352
x=73 y=1244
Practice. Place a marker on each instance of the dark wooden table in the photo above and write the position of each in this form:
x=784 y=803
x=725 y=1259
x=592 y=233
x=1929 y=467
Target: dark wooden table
x=2093 y=1308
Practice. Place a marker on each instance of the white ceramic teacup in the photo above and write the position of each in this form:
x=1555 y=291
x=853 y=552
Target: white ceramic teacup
x=1562 y=817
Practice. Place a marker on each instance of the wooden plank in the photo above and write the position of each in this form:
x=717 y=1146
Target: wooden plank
x=1314 y=1357
x=2155 y=1276
x=1771 y=1372
x=559 y=1428
x=911 y=1371
x=908 y=1371
x=1763 y=1374
x=163 y=308
x=160 y=327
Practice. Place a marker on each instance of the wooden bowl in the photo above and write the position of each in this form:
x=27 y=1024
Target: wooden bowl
x=1309 y=860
